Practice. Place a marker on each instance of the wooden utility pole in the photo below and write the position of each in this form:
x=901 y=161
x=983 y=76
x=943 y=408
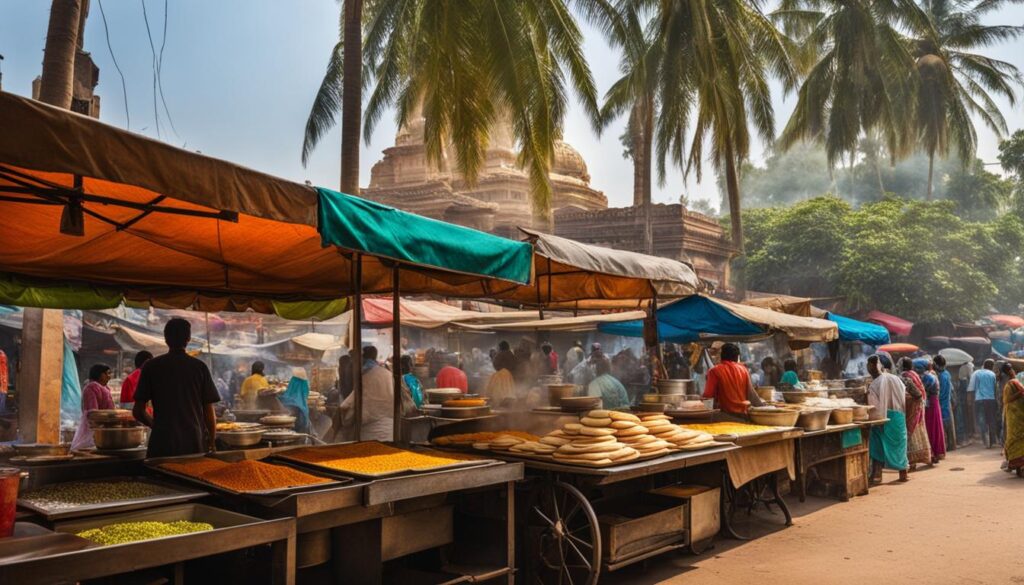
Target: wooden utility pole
x=41 y=362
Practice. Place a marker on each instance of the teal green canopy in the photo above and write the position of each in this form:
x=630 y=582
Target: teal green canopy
x=378 y=230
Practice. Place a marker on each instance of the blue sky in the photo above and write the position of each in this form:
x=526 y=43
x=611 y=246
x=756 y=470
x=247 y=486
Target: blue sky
x=239 y=77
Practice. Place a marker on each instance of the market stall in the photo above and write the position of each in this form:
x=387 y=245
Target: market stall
x=152 y=224
x=834 y=461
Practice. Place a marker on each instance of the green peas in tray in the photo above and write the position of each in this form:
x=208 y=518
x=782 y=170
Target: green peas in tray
x=123 y=532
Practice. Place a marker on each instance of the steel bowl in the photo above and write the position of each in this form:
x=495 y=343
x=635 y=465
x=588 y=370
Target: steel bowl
x=282 y=437
x=678 y=386
x=278 y=420
x=119 y=437
x=556 y=392
x=580 y=403
x=813 y=419
x=773 y=417
x=652 y=407
x=842 y=416
x=243 y=438
x=862 y=411
x=439 y=395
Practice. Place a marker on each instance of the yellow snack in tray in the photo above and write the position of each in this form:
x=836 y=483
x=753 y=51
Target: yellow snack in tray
x=370 y=457
x=728 y=428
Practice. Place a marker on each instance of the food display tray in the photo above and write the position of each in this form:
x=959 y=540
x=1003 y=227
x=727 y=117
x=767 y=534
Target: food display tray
x=176 y=495
x=336 y=479
x=331 y=471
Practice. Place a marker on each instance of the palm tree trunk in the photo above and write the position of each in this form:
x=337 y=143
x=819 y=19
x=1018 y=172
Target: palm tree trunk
x=878 y=174
x=636 y=138
x=352 y=97
x=58 y=77
x=648 y=166
x=931 y=171
x=732 y=186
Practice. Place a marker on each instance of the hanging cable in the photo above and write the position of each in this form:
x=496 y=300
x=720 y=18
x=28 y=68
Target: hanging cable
x=124 y=85
x=160 y=74
x=152 y=50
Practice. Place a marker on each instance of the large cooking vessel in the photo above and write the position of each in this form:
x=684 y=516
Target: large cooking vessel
x=813 y=419
x=772 y=416
x=241 y=437
x=556 y=392
x=119 y=437
x=677 y=386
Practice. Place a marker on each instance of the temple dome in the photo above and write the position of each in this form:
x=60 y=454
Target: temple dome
x=569 y=162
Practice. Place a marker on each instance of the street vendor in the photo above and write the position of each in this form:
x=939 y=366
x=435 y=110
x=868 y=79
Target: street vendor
x=95 y=396
x=183 y=394
x=888 y=443
x=253 y=384
x=378 y=402
x=790 y=376
x=132 y=381
x=729 y=383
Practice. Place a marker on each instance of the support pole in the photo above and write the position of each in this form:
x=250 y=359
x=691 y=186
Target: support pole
x=396 y=350
x=356 y=351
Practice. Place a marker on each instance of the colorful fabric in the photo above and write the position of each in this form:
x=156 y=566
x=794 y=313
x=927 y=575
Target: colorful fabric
x=887 y=392
x=728 y=383
x=296 y=399
x=933 y=423
x=1013 y=408
x=501 y=387
x=452 y=377
x=252 y=385
x=919 y=448
x=415 y=388
x=850 y=438
x=128 y=387
x=612 y=392
x=790 y=377
x=888 y=444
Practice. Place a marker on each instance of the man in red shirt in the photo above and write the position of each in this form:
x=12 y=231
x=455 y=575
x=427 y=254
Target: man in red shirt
x=729 y=383
x=132 y=381
x=452 y=377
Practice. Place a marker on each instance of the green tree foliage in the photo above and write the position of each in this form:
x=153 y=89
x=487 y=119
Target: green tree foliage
x=978 y=194
x=916 y=259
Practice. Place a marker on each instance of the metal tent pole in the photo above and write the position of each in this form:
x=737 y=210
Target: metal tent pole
x=356 y=351
x=396 y=351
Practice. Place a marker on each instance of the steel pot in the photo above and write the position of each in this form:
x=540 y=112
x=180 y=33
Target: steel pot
x=241 y=438
x=119 y=437
x=813 y=419
x=772 y=417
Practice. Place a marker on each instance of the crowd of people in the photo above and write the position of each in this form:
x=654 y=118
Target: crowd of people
x=929 y=415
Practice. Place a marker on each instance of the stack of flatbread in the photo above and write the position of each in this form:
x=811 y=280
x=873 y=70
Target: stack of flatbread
x=631 y=431
x=678 y=438
x=499 y=443
x=590 y=442
x=532 y=448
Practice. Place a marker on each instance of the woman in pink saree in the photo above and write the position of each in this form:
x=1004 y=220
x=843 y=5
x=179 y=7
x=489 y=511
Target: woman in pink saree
x=919 y=450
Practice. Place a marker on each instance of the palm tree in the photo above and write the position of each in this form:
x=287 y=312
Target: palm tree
x=466 y=62
x=860 y=73
x=635 y=93
x=714 y=60
x=341 y=90
x=955 y=82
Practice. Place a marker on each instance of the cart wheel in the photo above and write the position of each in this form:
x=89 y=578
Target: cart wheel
x=569 y=545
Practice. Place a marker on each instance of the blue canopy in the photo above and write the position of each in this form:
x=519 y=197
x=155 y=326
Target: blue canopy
x=689 y=319
x=854 y=330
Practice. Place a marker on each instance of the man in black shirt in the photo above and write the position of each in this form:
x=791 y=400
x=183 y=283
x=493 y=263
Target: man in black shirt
x=183 y=394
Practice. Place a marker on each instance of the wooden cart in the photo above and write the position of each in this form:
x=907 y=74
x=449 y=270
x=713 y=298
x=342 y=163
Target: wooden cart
x=841 y=472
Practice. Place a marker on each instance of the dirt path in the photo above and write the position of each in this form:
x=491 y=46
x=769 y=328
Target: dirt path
x=961 y=522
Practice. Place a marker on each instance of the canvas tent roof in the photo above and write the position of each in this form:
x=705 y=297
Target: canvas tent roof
x=701 y=317
x=582 y=323
x=171 y=228
x=428 y=314
x=894 y=324
x=787 y=304
x=854 y=330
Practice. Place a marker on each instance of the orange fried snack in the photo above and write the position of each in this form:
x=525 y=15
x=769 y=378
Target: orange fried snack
x=370 y=458
x=246 y=476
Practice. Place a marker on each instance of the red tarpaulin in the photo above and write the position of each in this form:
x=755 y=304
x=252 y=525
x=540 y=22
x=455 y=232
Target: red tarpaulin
x=895 y=325
x=1010 y=321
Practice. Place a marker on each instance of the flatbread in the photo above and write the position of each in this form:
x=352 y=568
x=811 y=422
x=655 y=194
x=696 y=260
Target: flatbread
x=572 y=428
x=588 y=440
x=586 y=463
x=597 y=431
x=593 y=456
x=554 y=441
x=616 y=415
x=482 y=446
x=623 y=424
x=571 y=449
x=588 y=421
x=638 y=439
x=636 y=431
x=599 y=413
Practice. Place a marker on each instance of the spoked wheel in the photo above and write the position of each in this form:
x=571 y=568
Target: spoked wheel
x=568 y=546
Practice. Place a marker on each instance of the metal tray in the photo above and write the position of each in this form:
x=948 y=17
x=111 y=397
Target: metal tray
x=324 y=470
x=177 y=495
x=189 y=512
x=336 y=480
x=31 y=541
